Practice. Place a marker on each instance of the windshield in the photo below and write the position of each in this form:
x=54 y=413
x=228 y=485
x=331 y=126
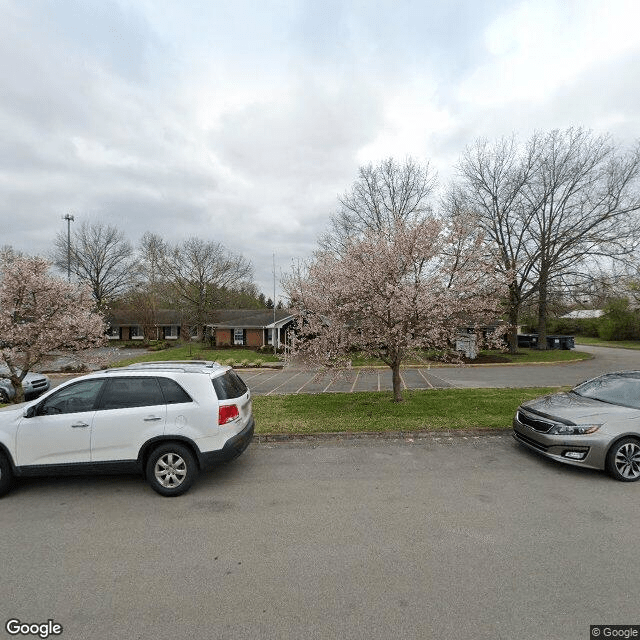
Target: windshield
x=615 y=388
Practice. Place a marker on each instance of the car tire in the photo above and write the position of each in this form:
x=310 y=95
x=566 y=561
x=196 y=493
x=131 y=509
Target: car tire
x=171 y=469
x=623 y=460
x=6 y=475
x=4 y=397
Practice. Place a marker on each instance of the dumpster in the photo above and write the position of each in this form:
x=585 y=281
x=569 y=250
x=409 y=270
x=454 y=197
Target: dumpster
x=530 y=341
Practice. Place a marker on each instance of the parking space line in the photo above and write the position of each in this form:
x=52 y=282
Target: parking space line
x=325 y=389
x=425 y=378
x=269 y=378
x=285 y=382
x=304 y=385
x=251 y=377
x=378 y=381
x=404 y=384
x=353 y=386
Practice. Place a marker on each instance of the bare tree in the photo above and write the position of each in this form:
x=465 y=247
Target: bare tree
x=494 y=177
x=101 y=257
x=552 y=208
x=198 y=273
x=383 y=195
x=585 y=200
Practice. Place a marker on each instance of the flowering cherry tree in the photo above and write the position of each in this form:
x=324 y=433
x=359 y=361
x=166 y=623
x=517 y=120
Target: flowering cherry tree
x=394 y=292
x=40 y=313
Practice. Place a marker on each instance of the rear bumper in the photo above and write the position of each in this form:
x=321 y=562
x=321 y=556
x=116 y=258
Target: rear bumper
x=233 y=447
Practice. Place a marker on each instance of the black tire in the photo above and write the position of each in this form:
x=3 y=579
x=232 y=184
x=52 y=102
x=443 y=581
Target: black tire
x=623 y=460
x=6 y=475
x=171 y=469
x=4 y=398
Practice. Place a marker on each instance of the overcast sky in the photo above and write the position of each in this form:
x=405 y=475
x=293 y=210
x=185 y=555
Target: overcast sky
x=242 y=122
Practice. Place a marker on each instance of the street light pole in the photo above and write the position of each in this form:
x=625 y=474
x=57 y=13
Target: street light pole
x=69 y=218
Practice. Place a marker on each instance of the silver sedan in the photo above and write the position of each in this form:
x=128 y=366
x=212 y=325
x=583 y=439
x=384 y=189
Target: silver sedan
x=595 y=425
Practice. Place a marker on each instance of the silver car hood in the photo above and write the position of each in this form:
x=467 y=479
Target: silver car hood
x=571 y=406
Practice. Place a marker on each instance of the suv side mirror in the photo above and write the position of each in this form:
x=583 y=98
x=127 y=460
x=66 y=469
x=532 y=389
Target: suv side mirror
x=30 y=412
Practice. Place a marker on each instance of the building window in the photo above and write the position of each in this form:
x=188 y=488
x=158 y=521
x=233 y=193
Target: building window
x=136 y=333
x=171 y=332
x=113 y=333
x=238 y=336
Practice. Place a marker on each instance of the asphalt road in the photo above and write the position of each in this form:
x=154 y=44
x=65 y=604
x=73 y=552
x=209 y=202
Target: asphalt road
x=429 y=539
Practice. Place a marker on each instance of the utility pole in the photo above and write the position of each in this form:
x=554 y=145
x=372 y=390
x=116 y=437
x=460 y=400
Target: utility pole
x=275 y=348
x=69 y=218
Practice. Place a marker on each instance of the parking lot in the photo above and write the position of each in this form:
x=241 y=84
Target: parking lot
x=295 y=380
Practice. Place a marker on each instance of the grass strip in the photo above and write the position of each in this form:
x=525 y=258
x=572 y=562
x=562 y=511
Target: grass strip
x=428 y=410
x=616 y=344
x=198 y=353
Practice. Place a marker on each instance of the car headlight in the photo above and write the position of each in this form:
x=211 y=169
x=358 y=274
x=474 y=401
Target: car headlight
x=573 y=429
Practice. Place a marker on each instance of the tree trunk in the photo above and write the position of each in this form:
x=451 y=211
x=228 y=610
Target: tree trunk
x=16 y=383
x=397 y=382
x=542 y=314
x=513 y=327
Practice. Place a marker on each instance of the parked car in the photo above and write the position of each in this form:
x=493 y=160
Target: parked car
x=595 y=425
x=34 y=385
x=166 y=420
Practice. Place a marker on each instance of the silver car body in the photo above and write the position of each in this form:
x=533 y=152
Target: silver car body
x=612 y=420
x=34 y=384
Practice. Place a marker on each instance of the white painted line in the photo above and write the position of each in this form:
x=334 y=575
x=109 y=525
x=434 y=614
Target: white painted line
x=404 y=384
x=425 y=379
x=353 y=386
x=269 y=378
x=305 y=384
x=378 y=381
x=325 y=389
x=285 y=382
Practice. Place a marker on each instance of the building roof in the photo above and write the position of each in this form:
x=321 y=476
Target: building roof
x=222 y=318
x=250 y=318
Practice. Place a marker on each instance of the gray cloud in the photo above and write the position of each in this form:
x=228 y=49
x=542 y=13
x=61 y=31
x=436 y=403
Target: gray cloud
x=242 y=122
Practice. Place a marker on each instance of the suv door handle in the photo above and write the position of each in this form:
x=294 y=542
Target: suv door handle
x=152 y=419
x=79 y=425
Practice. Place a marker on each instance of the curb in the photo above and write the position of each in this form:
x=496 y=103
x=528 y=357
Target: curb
x=262 y=438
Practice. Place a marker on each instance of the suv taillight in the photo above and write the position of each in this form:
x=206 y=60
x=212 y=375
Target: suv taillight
x=227 y=413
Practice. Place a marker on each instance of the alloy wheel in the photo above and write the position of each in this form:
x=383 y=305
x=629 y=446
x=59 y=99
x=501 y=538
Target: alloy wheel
x=170 y=470
x=627 y=461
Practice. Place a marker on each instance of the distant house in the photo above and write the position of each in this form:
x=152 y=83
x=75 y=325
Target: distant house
x=239 y=327
x=251 y=327
x=130 y=325
x=583 y=314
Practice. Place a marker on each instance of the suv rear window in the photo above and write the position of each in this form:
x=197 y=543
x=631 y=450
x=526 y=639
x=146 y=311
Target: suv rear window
x=173 y=392
x=229 y=385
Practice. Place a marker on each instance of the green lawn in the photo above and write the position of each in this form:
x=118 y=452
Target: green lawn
x=620 y=344
x=433 y=409
x=196 y=352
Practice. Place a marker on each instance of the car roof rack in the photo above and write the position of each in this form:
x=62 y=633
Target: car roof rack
x=169 y=365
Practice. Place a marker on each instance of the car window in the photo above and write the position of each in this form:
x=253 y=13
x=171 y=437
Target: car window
x=75 y=398
x=173 y=392
x=122 y=393
x=229 y=385
x=622 y=389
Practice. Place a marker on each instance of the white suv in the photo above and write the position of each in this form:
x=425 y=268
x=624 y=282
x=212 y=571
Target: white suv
x=166 y=419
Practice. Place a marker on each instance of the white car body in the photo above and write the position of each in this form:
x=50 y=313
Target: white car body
x=93 y=423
